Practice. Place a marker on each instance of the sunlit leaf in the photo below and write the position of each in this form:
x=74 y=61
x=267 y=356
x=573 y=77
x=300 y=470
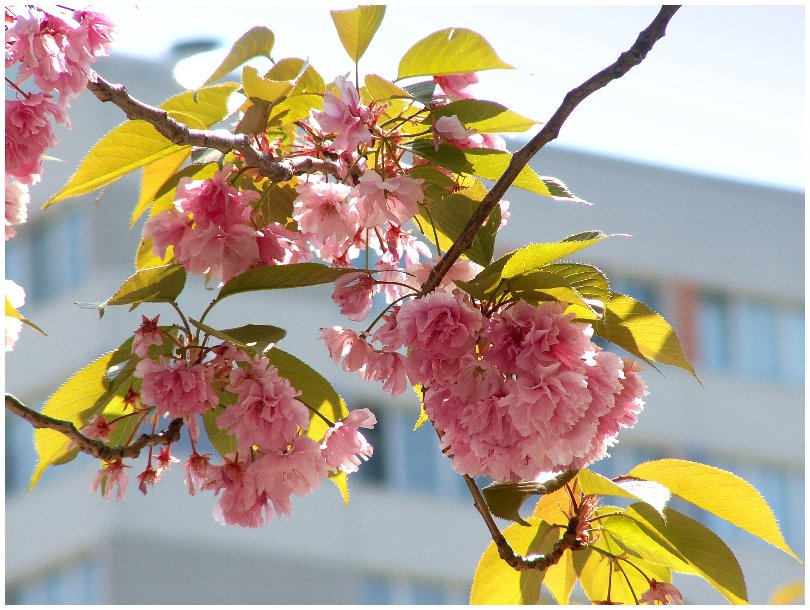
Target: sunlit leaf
x=273 y=277
x=82 y=396
x=719 y=492
x=257 y=41
x=157 y=285
x=790 y=593
x=136 y=143
x=341 y=481
x=11 y=312
x=701 y=548
x=307 y=79
x=276 y=203
x=356 y=27
x=449 y=51
x=632 y=325
x=154 y=176
x=560 y=191
x=560 y=579
x=483 y=116
x=654 y=494
x=505 y=499
x=495 y=582
x=378 y=89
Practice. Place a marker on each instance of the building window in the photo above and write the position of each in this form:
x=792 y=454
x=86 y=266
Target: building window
x=378 y=589
x=755 y=338
x=49 y=257
x=79 y=582
x=713 y=332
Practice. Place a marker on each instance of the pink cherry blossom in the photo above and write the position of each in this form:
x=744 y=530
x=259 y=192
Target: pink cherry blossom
x=388 y=333
x=388 y=367
x=222 y=253
x=322 y=210
x=349 y=345
x=392 y=282
x=98 y=428
x=16 y=296
x=113 y=478
x=450 y=129
x=463 y=269
x=176 y=388
x=353 y=294
x=195 y=470
x=215 y=201
x=147 y=335
x=455 y=86
x=441 y=324
x=164 y=460
x=266 y=412
x=343 y=445
x=401 y=243
x=661 y=592
x=166 y=229
x=239 y=502
x=297 y=471
x=344 y=116
x=280 y=246
x=395 y=199
x=17 y=200
x=29 y=134
x=148 y=478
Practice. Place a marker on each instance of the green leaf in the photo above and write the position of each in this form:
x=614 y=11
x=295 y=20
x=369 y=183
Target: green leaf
x=561 y=578
x=495 y=582
x=155 y=176
x=155 y=285
x=483 y=116
x=719 y=492
x=450 y=51
x=125 y=428
x=588 y=281
x=82 y=396
x=136 y=143
x=537 y=286
x=633 y=538
x=11 y=312
x=481 y=162
x=378 y=89
x=307 y=79
x=450 y=215
x=356 y=27
x=560 y=191
x=316 y=392
x=261 y=88
x=221 y=440
x=505 y=499
x=254 y=337
x=632 y=325
x=654 y=494
x=276 y=203
x=702 y=549
x=257 y=41
x=273 y=277
x=422 y=92
x=533 y=257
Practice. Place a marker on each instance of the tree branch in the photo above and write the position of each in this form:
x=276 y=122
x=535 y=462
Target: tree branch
x=178 y=133
x=627 y=60
x=92 y=446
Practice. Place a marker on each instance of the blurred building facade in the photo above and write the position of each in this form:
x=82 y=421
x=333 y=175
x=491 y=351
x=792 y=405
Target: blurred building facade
x=722 y=261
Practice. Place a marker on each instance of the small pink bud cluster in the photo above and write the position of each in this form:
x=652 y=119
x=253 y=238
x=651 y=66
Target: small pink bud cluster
x=273 y=458
x=518 y=393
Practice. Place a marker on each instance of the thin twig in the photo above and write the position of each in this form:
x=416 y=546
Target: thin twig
x=627 y=60
x=183 y=135
x=92 y=446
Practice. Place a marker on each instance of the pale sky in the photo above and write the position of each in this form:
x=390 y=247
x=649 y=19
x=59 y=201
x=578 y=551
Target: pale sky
x=722 y=93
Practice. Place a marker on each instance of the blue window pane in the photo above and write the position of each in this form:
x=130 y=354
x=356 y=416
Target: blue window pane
x=756 y=352
x=427 y=594
x=421 y=455
x=790 y=323
x=375 y=590
x=713 y=332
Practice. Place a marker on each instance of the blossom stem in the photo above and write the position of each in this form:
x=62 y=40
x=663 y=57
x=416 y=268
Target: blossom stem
x=16 y=88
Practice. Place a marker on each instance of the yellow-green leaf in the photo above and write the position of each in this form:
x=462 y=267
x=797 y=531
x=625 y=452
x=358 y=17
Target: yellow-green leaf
x=450 y=51
x=77 y=400
x=702 y=549
x=155 y=176
x=483 y=116
x=12 y=312
x=257 y=41
x=222 y=441
x=561 y=578
x=264 y=88
x=156 y=285
x=654 y=494
x=719 y=492
x=599 y=574
x=356 y=27
x=380 y=90
x=632 y=325
x=341 y=481
x=307 y=79
x=145 y=258
x=497 y=583
x=136 y=144
x=790 y=593
x=273 y=277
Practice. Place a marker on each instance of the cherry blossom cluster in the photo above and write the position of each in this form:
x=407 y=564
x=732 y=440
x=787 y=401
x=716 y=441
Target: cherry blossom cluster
x=273 y=456
x=56 y=51
x=514 y=394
